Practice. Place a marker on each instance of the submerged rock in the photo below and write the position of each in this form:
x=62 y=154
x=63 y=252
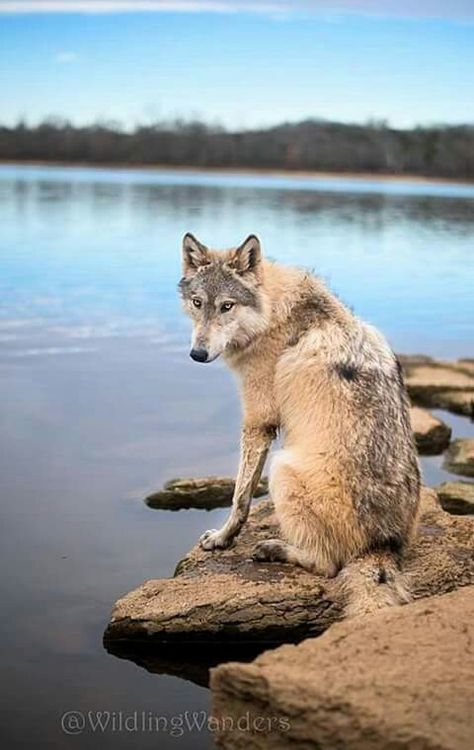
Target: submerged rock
x=457 y=497
x=460 y=457
x=432 y=435
x=225 y=596
x=402 y=678
x=203 y=493
x=444 y=385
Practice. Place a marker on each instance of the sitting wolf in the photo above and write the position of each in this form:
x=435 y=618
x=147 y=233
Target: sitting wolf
x=346 y=484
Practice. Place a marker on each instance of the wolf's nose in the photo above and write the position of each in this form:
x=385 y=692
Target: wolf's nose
x=199 y=355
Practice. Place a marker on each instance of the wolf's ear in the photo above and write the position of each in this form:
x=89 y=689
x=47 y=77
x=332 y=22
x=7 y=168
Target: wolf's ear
x=195 y=255
x=246 y=258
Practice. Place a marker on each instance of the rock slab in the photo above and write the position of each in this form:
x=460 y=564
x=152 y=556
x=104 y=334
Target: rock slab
x=460 y=457
x=226 y=597
x=203 y=493
x=402 y=679
x=457 y=497
x=443 y=385
x=432 y=435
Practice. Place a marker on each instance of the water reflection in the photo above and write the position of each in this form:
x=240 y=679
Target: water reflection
x=188 y=661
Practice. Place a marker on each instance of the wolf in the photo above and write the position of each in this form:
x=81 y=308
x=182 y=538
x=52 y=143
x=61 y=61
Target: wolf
x=346 y=484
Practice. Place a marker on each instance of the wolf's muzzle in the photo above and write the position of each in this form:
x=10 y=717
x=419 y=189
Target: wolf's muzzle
x=199 y=355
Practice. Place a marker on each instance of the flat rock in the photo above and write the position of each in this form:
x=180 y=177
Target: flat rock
x=203 y=493
x=457 y=497
x=225 y=596
x=436 y=384
x=401 y=679
x=457 y=402
x=432 y=435
x=459 y=458
x=467 y=363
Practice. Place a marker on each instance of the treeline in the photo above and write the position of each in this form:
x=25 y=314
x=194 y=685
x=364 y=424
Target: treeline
x=443 y=151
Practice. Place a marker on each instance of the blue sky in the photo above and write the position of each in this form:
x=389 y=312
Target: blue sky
x=239 y=63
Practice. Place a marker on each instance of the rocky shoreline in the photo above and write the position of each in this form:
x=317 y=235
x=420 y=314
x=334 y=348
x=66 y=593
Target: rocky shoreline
x=226 y=596
x=401 y=678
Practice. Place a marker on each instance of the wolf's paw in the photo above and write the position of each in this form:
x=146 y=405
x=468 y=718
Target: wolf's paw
x=214 y=539
x=271 y=550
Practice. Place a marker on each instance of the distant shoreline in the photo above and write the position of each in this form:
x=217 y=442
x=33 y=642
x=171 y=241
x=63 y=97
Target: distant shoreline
x=253 y=171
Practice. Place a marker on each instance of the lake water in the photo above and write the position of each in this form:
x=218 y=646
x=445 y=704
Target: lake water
x=100 y=403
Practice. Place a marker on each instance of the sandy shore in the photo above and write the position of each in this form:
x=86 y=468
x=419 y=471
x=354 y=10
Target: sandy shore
x=281 y=173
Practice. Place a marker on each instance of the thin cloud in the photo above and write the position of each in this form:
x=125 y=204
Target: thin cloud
x=455 y=9
x=65 y=57
x=139 y=6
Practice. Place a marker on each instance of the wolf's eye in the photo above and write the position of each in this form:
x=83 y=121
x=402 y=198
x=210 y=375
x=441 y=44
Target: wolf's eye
x=197 y=303
x=227 y=306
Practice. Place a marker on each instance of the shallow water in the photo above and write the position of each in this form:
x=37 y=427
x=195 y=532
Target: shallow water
x=100 y=403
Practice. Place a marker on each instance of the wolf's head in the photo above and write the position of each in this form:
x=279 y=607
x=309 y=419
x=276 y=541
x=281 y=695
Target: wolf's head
x=221 y=292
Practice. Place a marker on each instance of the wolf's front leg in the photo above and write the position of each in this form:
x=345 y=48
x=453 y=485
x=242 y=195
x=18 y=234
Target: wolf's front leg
x=253 y=451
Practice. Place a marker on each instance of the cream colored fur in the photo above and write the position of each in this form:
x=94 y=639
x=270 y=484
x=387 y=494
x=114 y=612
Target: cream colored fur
x=287 y=352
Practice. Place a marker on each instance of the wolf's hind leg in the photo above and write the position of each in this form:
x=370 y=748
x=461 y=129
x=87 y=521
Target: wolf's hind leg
x=275 y=550
x=314 y=519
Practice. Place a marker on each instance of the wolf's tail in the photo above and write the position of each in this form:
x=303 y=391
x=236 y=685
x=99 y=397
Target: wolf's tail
x=373 y=582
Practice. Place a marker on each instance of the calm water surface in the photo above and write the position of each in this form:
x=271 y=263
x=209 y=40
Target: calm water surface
x=99 y=402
